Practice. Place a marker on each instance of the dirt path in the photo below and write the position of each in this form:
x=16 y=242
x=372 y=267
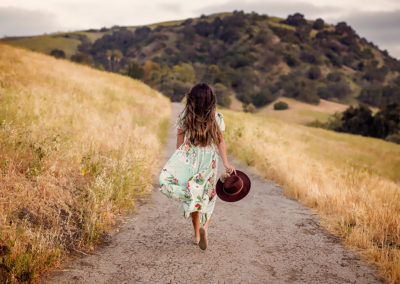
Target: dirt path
x=265 y=238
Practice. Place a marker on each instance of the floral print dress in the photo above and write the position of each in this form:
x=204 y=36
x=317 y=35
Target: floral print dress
x=190 y=176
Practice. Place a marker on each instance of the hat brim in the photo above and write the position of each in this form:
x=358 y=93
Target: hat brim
x=233 y=198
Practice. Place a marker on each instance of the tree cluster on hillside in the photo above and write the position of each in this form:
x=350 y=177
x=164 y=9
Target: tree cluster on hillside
x=385 y=124
x=254 y=56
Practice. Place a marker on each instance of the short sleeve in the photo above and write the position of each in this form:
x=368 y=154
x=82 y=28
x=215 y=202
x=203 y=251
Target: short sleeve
x=220 y=121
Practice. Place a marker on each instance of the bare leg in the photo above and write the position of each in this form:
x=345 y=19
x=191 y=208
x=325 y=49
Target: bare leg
x=207 y=223
x=196 y=225
x=203 y=243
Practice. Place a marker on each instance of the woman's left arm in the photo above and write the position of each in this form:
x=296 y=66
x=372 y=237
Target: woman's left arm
x=180 y=135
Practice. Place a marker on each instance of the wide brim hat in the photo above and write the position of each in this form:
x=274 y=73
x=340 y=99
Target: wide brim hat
x=226 y=195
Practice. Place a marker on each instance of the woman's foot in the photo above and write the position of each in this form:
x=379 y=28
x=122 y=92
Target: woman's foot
x=203 y=243
x=196 y=241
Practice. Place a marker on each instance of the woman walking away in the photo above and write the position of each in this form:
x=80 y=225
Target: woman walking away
x=190 y=175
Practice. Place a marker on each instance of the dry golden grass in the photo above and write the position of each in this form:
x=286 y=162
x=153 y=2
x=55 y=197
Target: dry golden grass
x=77 y=147
x=302 y=113
x=236 y=105
x=353 y=182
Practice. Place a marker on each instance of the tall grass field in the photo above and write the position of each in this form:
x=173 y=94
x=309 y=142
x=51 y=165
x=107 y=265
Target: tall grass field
x=78 y=146
x=353 y=182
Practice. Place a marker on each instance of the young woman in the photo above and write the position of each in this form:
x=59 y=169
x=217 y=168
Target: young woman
x=190 y=175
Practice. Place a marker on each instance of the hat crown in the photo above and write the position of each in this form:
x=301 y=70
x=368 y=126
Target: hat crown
x=232 y=188
x=233 y=185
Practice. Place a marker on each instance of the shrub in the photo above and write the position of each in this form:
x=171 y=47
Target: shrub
x=270 y=59
x=373 y=73
x=174 y=89
x=318 y=24
x=349 y=60
x=285 y=34
x=291 y=60
x=334 y=122
x=310 y=57
x=296 y=19
x=203 y=28
x=296 y=86
x=342 y=28
x=335 y=59
x=82 y=58
x=378 y=95
x=357 y=120
x=142 y=33
x=212 y=73
x=185 y=72
x=303 y=33
x=244 y=79
x=386 y=121
x=237 y=20
x=280 y=105
x=230 y=34
x=263 y=97
x=314 y=73
x=249 y=108
x=395 y=138
x=223 y=95
x=334 y=90
x=57 y=53
x=335 y=76
x=134 y=70
x=263 y=37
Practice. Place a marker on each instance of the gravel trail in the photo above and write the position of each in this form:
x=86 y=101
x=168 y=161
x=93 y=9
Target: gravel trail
x=264 y=238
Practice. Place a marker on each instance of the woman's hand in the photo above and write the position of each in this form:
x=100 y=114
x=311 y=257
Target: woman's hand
x=229 y=168
x=222 y=151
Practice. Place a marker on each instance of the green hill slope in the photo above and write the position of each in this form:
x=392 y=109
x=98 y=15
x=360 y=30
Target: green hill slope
x=256 y=57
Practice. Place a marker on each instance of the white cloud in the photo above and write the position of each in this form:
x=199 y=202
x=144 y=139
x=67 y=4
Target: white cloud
x=275 y=8
x=19 y=21
x=380 y=27
x=375 y=20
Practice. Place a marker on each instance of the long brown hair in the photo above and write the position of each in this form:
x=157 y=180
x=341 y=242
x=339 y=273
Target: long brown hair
x=199 y=116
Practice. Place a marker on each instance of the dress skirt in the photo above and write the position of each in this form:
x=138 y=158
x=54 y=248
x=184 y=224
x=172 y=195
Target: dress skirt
x=190 y=177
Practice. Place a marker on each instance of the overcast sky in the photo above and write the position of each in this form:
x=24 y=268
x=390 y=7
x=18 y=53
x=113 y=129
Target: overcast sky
x=378 y=21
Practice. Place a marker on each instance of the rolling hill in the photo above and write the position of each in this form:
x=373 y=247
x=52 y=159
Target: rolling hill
x=78 y=146
x=353 y=182
x=254 y=58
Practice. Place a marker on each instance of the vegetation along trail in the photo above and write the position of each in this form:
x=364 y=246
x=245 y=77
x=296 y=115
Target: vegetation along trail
x=265 y=238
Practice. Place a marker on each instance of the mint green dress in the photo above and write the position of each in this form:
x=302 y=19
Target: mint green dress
x=190 y=176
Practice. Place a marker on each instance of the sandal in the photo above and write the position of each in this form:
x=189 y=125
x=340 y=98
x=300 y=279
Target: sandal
x=203 y=243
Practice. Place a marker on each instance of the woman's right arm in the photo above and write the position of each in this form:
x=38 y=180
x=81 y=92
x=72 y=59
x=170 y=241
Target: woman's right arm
x=222 y=152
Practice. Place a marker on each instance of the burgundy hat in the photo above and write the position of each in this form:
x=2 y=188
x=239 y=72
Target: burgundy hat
x=234 y=187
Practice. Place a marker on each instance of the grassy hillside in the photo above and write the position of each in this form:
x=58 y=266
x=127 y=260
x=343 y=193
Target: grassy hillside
x=67 y=42
x=259 y=58
x=353 y=182
x=302 y=113
x=77 y=147
x=47 y=43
